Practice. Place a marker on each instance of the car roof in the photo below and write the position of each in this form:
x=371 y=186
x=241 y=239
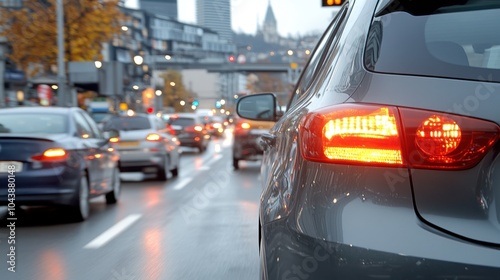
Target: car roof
x=41 y=109
x=185 y=115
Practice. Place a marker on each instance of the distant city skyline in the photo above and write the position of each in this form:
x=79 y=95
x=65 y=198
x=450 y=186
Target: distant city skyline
x=294 y=17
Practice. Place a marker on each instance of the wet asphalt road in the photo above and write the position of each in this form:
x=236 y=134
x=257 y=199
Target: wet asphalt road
x=201 y=225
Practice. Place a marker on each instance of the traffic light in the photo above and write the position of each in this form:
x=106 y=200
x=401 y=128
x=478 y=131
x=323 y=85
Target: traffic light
x=149 y=110
x=330 y=3
x=195 y=103
x=218 y=105
x=231 y=58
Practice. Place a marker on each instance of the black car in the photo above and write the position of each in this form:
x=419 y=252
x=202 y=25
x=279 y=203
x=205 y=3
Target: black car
x=386 y=164
x=246 y=137
x=55 y=156
x=190 y=130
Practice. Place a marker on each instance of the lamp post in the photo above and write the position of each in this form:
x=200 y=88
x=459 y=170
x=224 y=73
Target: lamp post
x=61 y=69
x=158 y=94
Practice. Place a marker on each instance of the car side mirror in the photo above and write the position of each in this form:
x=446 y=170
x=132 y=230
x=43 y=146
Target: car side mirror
x=260 y=107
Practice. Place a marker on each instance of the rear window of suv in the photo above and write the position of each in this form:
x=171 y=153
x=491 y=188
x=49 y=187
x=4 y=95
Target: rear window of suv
x=440 y=40
x=182 y=121
x=128 y=123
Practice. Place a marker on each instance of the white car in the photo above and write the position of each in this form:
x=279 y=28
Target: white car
x=146 y=145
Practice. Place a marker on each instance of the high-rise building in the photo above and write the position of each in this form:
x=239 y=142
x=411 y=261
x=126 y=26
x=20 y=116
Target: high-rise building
x=215 y=15
x=160 y=7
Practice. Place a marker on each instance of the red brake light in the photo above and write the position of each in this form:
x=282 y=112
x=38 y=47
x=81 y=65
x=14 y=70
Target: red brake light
x=438 y=136
x=352 y=134
x=440 y=140
x=245 y=125
x=53 y=154
x=153 y=137
x=369 y=134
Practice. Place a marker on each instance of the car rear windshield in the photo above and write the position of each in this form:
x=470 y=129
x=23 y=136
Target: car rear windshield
x=33 y=123
x=182 y=121
x=439 y=38
x=128 y=123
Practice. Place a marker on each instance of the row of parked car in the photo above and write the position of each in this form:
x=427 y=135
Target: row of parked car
x=63 y=157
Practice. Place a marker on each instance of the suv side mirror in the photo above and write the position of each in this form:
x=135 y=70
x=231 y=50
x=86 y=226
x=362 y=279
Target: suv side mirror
x=259 y=107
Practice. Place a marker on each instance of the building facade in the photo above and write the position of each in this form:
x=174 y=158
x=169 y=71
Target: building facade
x=215 y=15
x=160 y=7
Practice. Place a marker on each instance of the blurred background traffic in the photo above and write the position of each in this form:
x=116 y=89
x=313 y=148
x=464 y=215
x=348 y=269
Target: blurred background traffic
x=119 y=118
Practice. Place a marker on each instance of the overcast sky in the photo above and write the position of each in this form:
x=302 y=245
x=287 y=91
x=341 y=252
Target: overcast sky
x=293 y=16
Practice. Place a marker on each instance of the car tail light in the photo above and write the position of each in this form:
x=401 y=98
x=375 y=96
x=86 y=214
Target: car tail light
x=352 y=134
x=440 y=140
x=376 y=135
x=170 y=129
x=245 y=125
x=242 y=128
x=153 y=137
x=53 y=154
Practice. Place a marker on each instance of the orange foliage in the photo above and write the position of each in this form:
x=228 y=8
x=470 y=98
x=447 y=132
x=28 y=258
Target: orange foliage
x=32 y=31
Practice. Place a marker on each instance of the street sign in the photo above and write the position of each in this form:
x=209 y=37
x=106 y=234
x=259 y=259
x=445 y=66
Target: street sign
x=44 y=94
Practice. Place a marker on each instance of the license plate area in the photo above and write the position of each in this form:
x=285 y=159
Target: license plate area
x=15 y=166
x=128 y=144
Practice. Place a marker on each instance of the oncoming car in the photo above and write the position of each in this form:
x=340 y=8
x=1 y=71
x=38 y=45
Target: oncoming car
x=57 y=156
x=386 y=164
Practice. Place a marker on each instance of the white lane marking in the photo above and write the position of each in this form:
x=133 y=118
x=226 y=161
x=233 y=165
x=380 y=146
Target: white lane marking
x=214 y=159
x=113 y=231
x=182 y=183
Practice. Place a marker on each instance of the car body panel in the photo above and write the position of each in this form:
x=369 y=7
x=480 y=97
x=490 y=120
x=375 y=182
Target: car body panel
x=246 y=142
x=362 y=221
x=139 y=154
x=45 y=182
x=182 y=124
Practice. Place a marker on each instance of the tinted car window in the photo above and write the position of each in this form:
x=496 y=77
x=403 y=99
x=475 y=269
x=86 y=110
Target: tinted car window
x=82 y=126
x=92 y=124
x=452 y=41
x=128 y=123
x=101 y=117
x=316 y=59
x=33 y=123
x=181 y=121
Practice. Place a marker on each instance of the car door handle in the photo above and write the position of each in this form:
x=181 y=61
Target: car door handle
x=267 y=140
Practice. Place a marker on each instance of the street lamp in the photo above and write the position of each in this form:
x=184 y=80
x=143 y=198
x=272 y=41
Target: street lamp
x=61 y=69
x=138 y=59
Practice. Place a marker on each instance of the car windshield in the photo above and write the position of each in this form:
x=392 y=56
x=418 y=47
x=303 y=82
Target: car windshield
x=451 y=41
x=100 y=117
x=32 y=123
x=182 y=121
x=128 y=123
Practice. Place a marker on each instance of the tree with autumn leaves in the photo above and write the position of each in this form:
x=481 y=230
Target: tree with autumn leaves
x=31 y=31
x=175 y=91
